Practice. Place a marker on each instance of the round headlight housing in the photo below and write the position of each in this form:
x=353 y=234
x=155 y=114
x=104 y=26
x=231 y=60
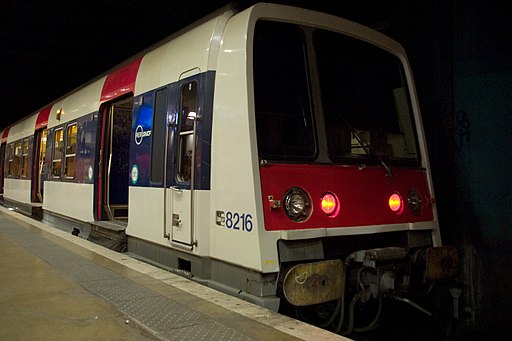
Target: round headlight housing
x=297 y=204
x=414 y=201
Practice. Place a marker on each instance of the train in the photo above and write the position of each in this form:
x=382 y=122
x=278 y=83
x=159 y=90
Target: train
x=273 y=152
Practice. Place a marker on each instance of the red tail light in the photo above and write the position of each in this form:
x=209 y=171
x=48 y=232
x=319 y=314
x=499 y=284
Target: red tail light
x=396 y=204
x=330 y=205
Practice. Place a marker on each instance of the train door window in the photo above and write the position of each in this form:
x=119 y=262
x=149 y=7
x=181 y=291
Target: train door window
x=17 y=158
x=158 y=136
x=39 y=168
x=24 y=159
x=70 y=151
x=3 y=158
x=10 y=160
x=187 y=119
x=42 y=149
x=58 y=148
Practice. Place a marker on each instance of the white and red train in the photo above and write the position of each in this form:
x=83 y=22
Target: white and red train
x=274 y=153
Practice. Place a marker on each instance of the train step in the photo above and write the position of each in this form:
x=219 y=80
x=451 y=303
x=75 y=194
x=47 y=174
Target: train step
x=110 y=234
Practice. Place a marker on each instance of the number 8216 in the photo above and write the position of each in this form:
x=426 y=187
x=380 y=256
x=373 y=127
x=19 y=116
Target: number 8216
x=236 y=221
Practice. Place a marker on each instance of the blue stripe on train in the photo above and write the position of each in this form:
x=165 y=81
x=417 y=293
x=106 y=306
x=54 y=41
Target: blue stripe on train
x=142 y=137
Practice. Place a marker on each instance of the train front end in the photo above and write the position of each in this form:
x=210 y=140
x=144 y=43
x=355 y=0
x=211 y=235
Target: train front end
x=343 y=164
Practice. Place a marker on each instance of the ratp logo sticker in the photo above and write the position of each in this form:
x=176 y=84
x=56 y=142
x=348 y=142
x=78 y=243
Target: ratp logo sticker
x=140 y=134
x=135 y=174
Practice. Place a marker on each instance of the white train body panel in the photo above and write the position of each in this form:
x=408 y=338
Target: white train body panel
x=205 y=223
x=22 y=129
x=185 y=55
x=146 y=214
x=80 y=103
x=69 y=199
x=235 y=175
x=17 y=190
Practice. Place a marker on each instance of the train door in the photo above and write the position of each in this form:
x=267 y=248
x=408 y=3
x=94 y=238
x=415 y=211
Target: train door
x=112 y=190
x=38 y=173
x=2 y=165
x=3 y=159
x=180 y=203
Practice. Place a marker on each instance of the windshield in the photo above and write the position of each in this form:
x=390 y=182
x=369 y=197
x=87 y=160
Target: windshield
x=281 y=86
x=317 y=88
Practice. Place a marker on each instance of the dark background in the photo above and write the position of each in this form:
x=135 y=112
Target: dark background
x=460 y=52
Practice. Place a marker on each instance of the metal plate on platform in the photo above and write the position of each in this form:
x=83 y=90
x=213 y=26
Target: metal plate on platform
x=165 y=317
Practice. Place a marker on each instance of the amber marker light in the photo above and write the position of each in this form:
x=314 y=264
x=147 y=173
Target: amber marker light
x=396 y=204
x=330 y=205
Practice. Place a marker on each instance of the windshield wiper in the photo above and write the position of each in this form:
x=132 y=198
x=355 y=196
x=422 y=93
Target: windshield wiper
x=368 y=149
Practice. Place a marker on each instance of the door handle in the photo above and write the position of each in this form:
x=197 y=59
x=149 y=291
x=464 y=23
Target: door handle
x=176 y=221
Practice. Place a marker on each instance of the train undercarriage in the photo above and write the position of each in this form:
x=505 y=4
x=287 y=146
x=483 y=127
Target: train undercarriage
x=350 y=295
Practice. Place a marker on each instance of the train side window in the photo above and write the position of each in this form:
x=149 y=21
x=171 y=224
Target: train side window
x=187 y=118
x=17 y=159
x=24 y=158
x=58 y=147
x=10 y=160
x=71 y=133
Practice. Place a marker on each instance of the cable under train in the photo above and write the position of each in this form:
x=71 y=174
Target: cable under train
x=274 y=153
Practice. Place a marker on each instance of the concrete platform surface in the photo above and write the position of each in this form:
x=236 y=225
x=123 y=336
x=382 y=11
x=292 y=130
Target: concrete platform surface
x=55 y=286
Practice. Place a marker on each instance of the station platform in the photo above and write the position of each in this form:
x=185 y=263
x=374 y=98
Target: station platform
x=57 y=286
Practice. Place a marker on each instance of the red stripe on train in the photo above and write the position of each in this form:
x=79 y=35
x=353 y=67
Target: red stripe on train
x=5 y=135
x=363 y=194
x=42 y=118
x=121 y=81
